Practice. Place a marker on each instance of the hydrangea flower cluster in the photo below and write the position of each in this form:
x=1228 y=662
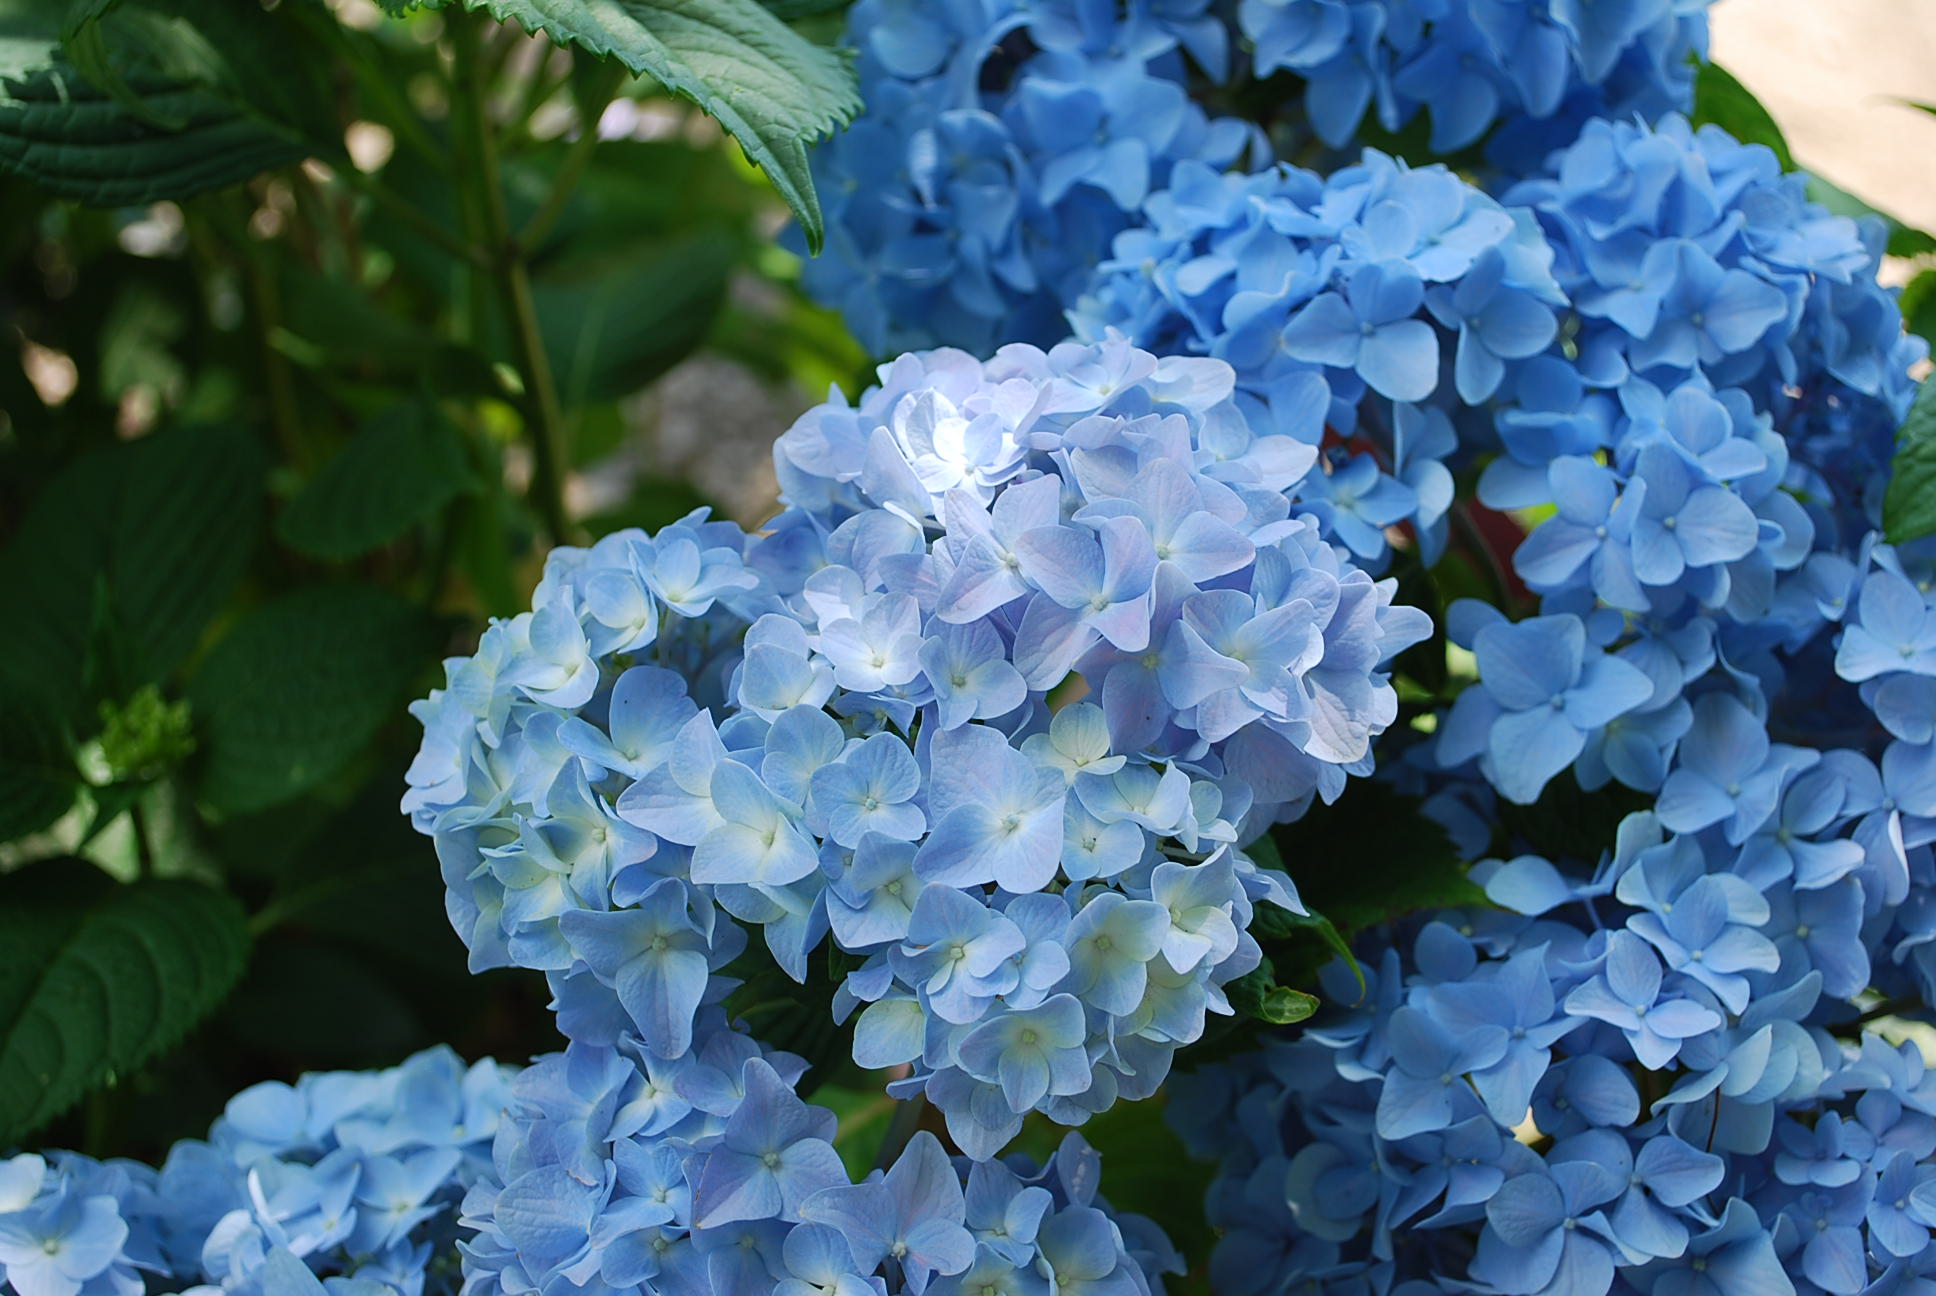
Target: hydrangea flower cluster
x=618 y=1172
x=345 y=1182
x=1658 y=1069
x=1711 y=457
x=840 y=728
x=1538 y=70
x=1004 y=144
x=1651 y=1080
x=1363 y=311
x=1695 y=269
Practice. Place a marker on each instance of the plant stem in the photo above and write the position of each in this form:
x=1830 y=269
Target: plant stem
x=266 y=301
x=563 y=186
x=544 y=417
x=144 y=854
x=413 y=216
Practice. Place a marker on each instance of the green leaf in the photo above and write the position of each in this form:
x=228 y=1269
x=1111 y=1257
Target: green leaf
x=1147 y=1170
x=37 y=776
x=1283 y=1006
x=291 y=695
x=1909 y=508
x=796 y=1017
x=773 y=90
x=1904 y=240
x=1372 y=856
x=99 y=978
x=162 y=526
x=613 y=324
x=1723 y=101
x=331 y=325
x=153 y=99
x=791 y=10
x=1276 y=926
x=1918 y=302
x=401 y=468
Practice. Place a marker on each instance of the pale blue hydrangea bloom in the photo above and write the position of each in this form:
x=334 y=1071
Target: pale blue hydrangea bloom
x=1046 y=899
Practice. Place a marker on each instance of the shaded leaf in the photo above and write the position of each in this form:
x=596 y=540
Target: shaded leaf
x=795 y=1017
x=99 y=978
x=1723 y=101
x=1147 y=1170
x=771 y=88
x=611 y=324
x=330 y=324
x=162 y=527
x=1372 y=856
x=1319 y=939
x=37 y=776
x=402 y=467
x=292 y=693
x=789 y=10
x=1918 y=302
x=1909 y=508
x=156 y=99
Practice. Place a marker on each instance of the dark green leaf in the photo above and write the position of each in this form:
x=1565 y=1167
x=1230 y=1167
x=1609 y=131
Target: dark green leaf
x=297 y=688
x=1918 y=302
x=110 y=803
x=1723 y=101
x=771 y=88
x=317 y=1000
x=1909 y=508
x=163 y=525
x=1246 y=993
x=796 y=1017
x=330 y=324
x=1275 y=926
x=404 y=466
x=633 y=194
x=611 y=324
x=183 y=96
x=1372 y=856
x=1145 y=1169
x=99 y=978
x=37 y=776
x=790 y=10
x=1566 y=824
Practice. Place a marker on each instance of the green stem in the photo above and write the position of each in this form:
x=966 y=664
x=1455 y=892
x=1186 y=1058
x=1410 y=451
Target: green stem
x=144 y=854
x=563 y=186
x=410 y=214
x=545 y=418
x=284 y=416
x=282 y=908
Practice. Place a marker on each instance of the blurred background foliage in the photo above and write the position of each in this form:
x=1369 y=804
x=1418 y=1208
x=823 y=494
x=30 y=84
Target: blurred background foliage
x=321 y=325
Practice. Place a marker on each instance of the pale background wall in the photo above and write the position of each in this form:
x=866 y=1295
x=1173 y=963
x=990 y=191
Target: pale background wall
x=1829 y=71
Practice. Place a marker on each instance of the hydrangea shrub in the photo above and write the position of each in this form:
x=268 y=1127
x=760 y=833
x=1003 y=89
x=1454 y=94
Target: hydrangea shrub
x=1406 y=659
